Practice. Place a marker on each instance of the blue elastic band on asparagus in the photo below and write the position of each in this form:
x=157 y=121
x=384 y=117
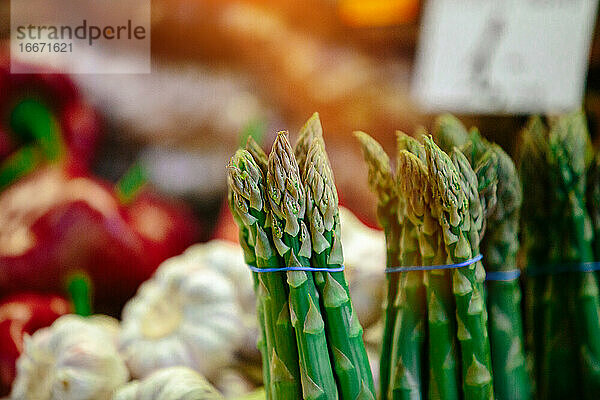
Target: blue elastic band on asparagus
x=503 y=276
x=433 y=267
x=591 y=266
x=281 y=269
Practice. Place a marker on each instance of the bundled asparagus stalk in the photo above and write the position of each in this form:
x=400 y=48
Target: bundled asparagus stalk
x=535 y=236
x=288 y=216
x=593 y=202
x=455 y=191
x=381 y=182
x=565 y=305
x=499 y=248
x=343 y=330
x=442 y=217
x=407 y=369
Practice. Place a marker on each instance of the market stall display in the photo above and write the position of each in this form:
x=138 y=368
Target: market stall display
x=463 y=274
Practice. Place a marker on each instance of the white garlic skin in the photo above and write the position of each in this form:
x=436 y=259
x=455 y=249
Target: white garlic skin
x=173 y=383
x=74 y=359
x=189 y=313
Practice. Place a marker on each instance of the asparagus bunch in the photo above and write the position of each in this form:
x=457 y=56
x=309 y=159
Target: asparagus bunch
x=566 y=305
x=499 y=248
x=288 y=217
x=441 y=216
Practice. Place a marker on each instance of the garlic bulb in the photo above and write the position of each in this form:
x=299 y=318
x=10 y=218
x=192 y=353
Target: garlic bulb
x=74 y=359
x=173 y=383
x=189 y=313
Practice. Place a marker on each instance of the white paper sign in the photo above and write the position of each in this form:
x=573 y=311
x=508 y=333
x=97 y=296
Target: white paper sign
x=504 y=56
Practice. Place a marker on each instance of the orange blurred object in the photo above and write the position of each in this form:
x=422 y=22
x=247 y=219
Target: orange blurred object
x=378 y=12
x=226 y=228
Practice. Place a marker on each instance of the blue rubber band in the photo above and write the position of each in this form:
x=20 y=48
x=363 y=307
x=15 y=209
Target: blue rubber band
x=503 y=276
x=281 y=269
x=590 y=266
x=434 y=267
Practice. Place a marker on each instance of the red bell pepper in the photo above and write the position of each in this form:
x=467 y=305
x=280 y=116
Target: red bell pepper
x=20 y=314
x=29 y=98
x=53 y=225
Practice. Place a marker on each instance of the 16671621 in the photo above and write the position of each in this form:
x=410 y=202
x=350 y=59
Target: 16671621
x=48 y=47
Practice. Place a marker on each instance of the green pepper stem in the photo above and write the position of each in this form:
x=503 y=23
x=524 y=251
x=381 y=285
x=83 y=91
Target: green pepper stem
x=131 y=184
x=19 y=164
x=32 y=120
x=79 y=288
x=35 y=124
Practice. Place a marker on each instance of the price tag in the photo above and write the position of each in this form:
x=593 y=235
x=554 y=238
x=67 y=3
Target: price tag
x=508 y=56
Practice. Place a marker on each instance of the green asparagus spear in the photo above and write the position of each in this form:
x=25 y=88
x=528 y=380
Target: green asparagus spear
x=312 y=129
x=450 y=132
x=250 y=259
x=499 y=248
x=408 y=352
x=593 y=202
x=484 y=162
x=443 y=376
x=455 y=191
x=258 y=154
x=292 y=240
x=536 y=238
x=248 y=198
x=559 y=344
x=382 y=184
x=344 y=333
x=568 y=145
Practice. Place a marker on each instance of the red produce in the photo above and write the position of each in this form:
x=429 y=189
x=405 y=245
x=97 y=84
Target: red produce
x=20 y=314
x=55 y=95
x=226 y=228
x=53 y=225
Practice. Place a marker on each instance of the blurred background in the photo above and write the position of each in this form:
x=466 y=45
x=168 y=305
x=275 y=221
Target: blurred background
x=221 y=67
x=133 y=166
